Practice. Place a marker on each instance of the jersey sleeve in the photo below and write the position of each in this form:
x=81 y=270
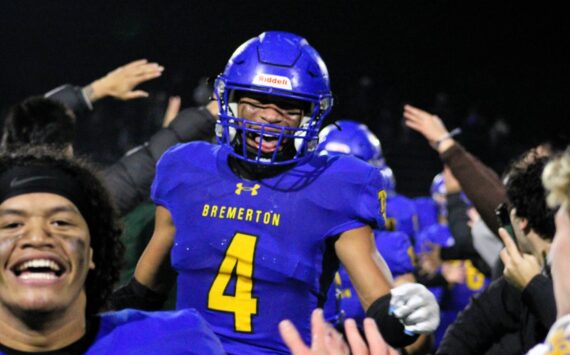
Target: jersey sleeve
x=371 y=203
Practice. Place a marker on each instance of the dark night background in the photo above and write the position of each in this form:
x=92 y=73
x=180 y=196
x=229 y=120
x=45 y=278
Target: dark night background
x=498 y=71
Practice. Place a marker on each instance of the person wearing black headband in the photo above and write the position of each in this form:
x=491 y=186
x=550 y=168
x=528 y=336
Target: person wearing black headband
x=60 y=255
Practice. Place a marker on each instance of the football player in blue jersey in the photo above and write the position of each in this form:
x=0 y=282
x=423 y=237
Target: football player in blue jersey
x=354 y=138
x=60 y=255
x=394 y=243
x=255 y=226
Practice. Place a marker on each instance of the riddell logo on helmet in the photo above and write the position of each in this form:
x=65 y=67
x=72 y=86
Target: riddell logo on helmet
x=276 y=81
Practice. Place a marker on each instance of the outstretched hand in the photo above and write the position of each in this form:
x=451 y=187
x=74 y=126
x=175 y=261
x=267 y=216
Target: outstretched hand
x=120 y=82
x=327 y=341
x=428 y=125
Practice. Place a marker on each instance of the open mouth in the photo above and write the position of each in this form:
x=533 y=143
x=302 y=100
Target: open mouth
x=267 y=142
x=38 y=269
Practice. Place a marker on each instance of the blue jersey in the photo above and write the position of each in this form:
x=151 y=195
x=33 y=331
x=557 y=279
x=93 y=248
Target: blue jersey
x=137 y=332
x=426 y=209
x=252 y=253
x=402 y=216
x=134 y=332
x=396 y=249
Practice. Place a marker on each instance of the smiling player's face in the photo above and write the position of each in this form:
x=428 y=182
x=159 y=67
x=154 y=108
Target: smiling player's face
x=45 y=254
x=273 y=110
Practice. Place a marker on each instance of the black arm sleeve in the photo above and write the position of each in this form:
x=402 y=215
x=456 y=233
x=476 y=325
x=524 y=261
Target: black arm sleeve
x=457 y=221
x=72 y=97
x=463 y=247
x=138 y=296
x=489 y=316
x=130 y=178
x=391 y=328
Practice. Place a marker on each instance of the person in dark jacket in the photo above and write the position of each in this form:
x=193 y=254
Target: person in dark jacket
x=50 y=120
x=515 y=312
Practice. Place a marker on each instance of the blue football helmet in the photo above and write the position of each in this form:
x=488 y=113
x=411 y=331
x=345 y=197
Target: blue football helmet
x=279 y=64
x=437 y=188
x=349 y=137
x=439 y=193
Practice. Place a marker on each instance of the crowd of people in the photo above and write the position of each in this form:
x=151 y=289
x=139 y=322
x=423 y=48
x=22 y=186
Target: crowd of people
x=244 y=226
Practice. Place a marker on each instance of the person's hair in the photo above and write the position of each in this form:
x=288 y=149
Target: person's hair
x=103 y=220
x=38 y=121
x=556 y=179
x=527 y=195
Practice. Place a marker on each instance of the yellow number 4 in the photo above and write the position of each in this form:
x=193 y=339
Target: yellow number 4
x=239 y=257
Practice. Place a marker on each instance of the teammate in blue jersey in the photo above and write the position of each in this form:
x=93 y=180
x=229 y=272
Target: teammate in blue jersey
x=256 y=225
x=353 y=138
x=427 y=212
x=60 y=255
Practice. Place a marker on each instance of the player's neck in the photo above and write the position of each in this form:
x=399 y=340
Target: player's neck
x=251 y=171
x=42 y=332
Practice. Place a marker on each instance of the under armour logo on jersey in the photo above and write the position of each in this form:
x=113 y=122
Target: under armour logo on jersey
x=251 y=189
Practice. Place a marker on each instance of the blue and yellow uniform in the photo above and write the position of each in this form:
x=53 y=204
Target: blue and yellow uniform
x=427 y=212
x=136 y=332
x=402 y=215
x=251 y=253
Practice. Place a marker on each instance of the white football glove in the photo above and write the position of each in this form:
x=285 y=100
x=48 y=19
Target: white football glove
x=415 y=306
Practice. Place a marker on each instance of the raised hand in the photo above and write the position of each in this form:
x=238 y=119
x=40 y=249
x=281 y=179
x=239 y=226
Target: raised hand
x=428 y=125
x=120 y=82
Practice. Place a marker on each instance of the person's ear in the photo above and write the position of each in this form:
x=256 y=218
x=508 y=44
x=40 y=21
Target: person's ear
x=519 y=223
x=91 y=262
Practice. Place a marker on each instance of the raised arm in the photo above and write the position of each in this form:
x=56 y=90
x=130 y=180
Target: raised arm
x=479 y=182
x=119 y=83
x=130 y=178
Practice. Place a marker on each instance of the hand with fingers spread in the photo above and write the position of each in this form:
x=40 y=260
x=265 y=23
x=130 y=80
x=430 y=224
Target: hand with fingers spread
x=327 y=341
x=428 y=125
x=120 y=82
x=376 y=344
x=520 y=268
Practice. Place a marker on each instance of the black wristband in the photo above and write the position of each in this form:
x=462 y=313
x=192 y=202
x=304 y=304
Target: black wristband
x=138 y=296
x=391 y=328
